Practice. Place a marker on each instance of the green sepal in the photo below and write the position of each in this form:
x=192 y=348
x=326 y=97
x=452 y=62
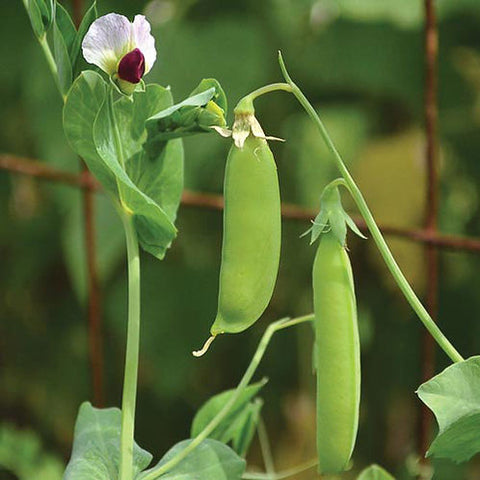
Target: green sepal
x=122 y=87
x=454 y=397
x=204 y=108
x=332 y=217
x=96 y=446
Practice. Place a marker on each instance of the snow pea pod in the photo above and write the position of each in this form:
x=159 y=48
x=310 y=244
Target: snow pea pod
x=336 y=355
x=251 y=236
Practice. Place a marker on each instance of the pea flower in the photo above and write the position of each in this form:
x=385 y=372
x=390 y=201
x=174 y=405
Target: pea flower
x=124 y=50
x=245 y=124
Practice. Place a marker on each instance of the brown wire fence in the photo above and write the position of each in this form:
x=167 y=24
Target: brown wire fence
x=430 y=236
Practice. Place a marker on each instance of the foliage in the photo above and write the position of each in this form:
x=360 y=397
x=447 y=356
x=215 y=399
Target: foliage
x=374 y=472
x=22 y=453
x=211 y=459
x=96 y=448
x=239 y=425
x=453 y=396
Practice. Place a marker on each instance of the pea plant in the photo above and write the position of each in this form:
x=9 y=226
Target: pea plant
x=130 y=133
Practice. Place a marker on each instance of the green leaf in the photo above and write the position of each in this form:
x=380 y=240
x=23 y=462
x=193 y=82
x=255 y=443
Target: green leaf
x=211 y=460
x=96 y=446
x=197 y=100
x=374 y=472
x=88 y=127
x=196 y=114
x=22 y=453
x=454 y=397
x=89 y=17
x=160 y=176
x=228 y=428
x=65 y=25
x=83 y=102
x=246 y=426
x=34 y=9
x=154 y=227
x=219 y=98
x=62 y=60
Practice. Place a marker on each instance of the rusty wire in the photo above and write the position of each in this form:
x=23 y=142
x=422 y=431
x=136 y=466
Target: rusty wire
x=431 y=213
x=212 y=201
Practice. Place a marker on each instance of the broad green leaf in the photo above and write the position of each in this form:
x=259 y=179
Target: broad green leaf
x=228 y=427
x=160 y=176
x=459 y=441
x=89 y=17
x=454 y=397
x=154 y=228
x=62 y=60
x=88 y=127
x=65 y=25
x=246 y=426
x=211 y=460
x=374 y=472
x=84 y=100
x=196 y=114
x=21 y=453
x=96 y=446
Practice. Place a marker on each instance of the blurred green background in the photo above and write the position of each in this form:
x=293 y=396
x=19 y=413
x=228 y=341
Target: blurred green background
x=361 y=63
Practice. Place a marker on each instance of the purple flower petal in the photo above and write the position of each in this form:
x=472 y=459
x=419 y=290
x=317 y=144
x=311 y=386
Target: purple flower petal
x=132 y=66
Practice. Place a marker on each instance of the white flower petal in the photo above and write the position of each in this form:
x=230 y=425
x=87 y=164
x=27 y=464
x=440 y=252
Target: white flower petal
x=108 y=39
x=144 y=41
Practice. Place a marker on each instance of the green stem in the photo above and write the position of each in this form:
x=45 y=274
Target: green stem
x=52 y=65
x=245 y=105
x=281 y=475
x=392 y=265
x=155 y=472
x=273 y=87
x=50 y=59
x=116 y=132
x=265 y=447
x=131 y=357
x=117 y=141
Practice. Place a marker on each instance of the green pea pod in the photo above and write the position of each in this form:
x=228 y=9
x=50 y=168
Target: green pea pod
x=336 y=355
x=251 y=237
